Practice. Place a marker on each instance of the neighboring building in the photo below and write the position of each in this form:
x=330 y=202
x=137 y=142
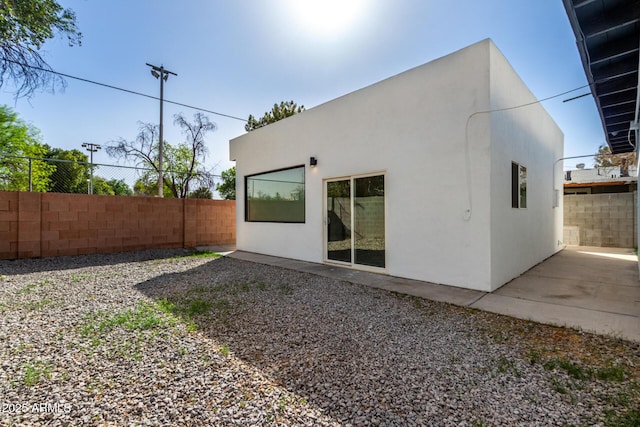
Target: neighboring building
x=411 y=176
x=601 y=180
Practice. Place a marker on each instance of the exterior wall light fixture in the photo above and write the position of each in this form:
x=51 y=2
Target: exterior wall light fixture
x=313 y=162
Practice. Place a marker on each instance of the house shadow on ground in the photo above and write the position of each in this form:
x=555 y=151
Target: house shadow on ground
x=361 y=355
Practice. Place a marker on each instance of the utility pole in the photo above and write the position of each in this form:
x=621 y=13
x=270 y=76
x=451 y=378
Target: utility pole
x=162 y=74
x=92 y=148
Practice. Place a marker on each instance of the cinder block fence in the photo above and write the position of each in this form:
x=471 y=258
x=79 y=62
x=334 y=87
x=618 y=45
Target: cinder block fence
x=607 y=219
x=54 y=224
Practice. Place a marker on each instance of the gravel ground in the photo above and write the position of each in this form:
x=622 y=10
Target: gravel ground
x=155 y=338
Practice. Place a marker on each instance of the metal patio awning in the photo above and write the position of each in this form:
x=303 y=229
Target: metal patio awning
x=608 y=38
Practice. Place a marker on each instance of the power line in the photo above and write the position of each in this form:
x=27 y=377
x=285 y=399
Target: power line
x=133 y=92
x=468 y=211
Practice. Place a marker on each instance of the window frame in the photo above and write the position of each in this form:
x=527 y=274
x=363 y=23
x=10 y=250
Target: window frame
x=518 y=199
x=247 y=179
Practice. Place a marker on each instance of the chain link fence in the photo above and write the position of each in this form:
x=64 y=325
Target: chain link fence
x=70 y=176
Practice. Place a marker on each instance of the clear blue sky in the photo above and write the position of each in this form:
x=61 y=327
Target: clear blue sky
x=240 y=57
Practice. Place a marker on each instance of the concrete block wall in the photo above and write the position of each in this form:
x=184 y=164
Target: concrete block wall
x=54 y=224
x=608 y=220
x=216 y=221
x=369 y=215
x=369 y=220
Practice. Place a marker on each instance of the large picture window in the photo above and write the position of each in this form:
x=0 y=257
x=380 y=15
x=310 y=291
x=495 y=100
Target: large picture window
x=276 y=196
x=518 y=186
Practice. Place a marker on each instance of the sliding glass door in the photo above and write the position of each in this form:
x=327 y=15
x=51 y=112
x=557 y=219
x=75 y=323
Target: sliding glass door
x=356 y=221
x=339 y=245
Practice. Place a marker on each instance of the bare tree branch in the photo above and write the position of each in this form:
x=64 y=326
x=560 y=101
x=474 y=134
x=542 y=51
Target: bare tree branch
x=184 y=162
x=142 y=151
x=25 y=25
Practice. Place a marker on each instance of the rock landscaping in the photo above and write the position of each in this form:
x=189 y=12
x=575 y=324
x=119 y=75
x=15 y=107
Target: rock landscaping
x=187 y=339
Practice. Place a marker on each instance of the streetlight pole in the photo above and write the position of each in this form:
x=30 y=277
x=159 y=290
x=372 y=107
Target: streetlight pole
x=162 y=74
x=92 y=148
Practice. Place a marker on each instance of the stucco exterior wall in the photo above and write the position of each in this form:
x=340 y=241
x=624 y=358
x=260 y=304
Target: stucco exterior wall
x=521 y=238
x=413 y=128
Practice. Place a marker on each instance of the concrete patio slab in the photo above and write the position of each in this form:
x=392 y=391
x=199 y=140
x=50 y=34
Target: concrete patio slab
x=589 y=320
x=588 y=288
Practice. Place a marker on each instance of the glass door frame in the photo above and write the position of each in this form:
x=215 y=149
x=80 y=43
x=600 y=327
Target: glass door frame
x=325 y=226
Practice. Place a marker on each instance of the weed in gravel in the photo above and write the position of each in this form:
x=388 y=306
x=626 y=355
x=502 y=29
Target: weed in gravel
x=224 y=349
x=282 y=403
x=199 y=254
x=622 y=403
x=574 y=370
x=191 y=326
x=34 y=371
x=630 y=418
x=130 y=350
x=499 y=337
x=534 y=356
x=199 y=306
x=187 y=309
x=505 y=366
x=33 y=286
x=285 y=288
x=142 y=317
x=199 y=289
x=166 y=306
x=611 y=372
x=417 y=302
x=37 y=305
x=622 y=398
x=27 y=289
x=77 y=278
x=558 y=387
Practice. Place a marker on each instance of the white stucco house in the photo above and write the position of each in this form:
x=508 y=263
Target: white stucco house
x=428 y=175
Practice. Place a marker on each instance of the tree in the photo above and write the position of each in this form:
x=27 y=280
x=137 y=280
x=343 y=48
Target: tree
x=102 y=186
x=147 y=185
x=72 y=171
x=143 y=151
x=183 y=164
x=227 y=188
x=120 y=187
x=19 y=140
x=605 y=160
x=25 y=25
x=201 y=193
x=278 y=112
